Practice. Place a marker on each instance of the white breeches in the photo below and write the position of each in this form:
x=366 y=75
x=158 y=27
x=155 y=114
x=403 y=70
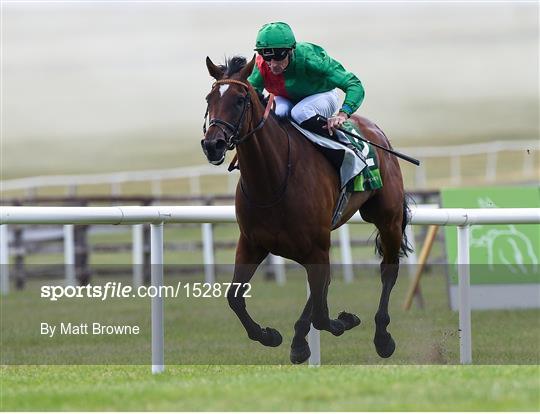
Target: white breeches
x=325 y=104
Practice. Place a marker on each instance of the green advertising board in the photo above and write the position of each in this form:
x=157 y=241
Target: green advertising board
x=504 y=256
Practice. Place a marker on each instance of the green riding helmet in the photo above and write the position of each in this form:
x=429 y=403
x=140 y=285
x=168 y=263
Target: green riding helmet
x=277 y=35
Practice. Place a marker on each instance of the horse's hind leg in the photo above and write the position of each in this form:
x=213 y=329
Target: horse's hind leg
x=247 y=260
x=300 y=351
x=319 y=278
x=391 y=236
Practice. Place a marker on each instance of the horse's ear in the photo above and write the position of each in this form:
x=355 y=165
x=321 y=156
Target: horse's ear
x=213 y=70
x=246 y=71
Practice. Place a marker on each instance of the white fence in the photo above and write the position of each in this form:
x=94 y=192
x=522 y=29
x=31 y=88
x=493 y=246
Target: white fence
x=157 y=216
x=529 y=149
x=491 y=150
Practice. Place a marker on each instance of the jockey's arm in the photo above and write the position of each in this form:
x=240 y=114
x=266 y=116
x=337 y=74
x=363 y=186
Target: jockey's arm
x=348 y=83
x=340 y=78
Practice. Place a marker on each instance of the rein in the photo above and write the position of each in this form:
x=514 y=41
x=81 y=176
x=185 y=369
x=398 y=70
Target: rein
x=232 y=140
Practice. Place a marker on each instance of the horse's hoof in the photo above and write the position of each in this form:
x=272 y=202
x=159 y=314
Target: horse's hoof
x=334 y=326
x=337 y=327
x=300 y=354
x=349 y=320
x=385 y=345
x=271 y=337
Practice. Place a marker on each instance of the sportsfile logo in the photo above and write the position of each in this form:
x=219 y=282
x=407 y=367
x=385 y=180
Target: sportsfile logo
x=109 y=290
x=118 y=290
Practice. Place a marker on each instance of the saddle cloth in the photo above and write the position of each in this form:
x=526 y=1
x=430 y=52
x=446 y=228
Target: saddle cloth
x=346 y=162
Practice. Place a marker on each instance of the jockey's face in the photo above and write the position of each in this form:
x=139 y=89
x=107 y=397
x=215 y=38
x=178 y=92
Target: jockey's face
x=277 y=67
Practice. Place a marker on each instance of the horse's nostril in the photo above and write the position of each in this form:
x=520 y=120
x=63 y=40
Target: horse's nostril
x=221 y=145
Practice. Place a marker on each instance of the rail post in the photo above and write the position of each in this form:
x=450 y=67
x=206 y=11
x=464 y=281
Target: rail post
x=80 y=237
x=346 y=255
x=278 y=265
x=158 y=341
x=19 y=252
x=464 y=282
x=4 y=259
x=69 y=254
x=314 y=342
x=208 y=253
x=147 y=267
x=138 y=254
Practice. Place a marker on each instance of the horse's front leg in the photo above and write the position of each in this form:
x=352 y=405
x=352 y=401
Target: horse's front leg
x=248 y=258
x=300 y=351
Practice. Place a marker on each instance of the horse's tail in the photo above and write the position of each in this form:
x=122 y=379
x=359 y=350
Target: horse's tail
x=406 y=246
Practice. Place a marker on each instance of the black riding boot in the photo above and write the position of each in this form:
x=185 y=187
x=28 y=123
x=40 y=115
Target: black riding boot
x=314 y=125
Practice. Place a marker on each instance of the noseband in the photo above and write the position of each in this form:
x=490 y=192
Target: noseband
x=233 y=139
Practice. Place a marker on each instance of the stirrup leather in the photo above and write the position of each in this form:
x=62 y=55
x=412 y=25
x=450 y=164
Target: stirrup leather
x=343 y=200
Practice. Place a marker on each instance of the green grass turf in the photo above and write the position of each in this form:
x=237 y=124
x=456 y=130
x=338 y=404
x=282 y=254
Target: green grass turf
x=260 y=388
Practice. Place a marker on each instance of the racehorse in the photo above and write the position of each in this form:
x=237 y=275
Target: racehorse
x=284 y=204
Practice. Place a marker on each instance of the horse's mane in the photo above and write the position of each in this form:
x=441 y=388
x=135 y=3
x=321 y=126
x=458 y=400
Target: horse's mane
x=234 y=65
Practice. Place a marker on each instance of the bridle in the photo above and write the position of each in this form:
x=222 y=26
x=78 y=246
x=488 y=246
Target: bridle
x=233 y=139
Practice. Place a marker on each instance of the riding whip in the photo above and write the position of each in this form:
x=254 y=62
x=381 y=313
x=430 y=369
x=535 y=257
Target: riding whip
x=412 y=160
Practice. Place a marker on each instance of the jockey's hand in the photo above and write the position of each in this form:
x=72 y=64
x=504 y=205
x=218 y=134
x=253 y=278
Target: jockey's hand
x=335 y=122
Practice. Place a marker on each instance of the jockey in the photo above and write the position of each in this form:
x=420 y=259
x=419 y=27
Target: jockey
x=303 y=79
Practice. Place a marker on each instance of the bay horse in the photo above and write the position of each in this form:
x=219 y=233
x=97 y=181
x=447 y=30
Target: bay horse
x=284 y=202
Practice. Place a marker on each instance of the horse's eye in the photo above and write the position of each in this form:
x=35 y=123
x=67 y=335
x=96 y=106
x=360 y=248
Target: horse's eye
x=239 y=101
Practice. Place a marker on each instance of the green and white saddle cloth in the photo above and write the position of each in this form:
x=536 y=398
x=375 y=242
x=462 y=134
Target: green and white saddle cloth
x=370 y=177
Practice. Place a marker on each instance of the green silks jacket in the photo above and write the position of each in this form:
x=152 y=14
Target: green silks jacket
x=310 y=71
